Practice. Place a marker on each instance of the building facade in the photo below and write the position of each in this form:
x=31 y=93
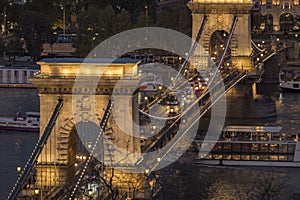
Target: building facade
x=279 y=15
x=17 y=75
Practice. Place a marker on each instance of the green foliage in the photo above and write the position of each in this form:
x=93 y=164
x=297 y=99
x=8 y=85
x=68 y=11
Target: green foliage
x=96 y=20
x=51 y=7
x=35 y=29
x=97 y=25
x=2 y=48
x=178 y=19
x=14 y=48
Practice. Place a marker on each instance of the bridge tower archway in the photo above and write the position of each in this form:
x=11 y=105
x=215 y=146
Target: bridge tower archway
x=220 y=16
x=286 y=21
x=217 y=45
x=83 y=104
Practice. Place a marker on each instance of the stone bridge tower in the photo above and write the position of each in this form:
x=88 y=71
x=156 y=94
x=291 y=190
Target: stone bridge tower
x=220 y=15
x=279 y=8
x=83 y=102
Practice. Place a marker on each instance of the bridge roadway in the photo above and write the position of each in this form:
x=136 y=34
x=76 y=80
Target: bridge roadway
x=205 y=102
x=151 y=142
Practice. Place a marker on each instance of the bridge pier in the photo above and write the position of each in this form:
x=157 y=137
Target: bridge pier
x=243 y=102
x=83 y=105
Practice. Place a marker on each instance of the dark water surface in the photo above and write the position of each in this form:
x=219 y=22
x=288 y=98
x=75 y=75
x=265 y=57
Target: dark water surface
x=15 y=147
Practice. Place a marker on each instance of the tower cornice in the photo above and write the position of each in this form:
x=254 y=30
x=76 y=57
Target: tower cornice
x=220 y=8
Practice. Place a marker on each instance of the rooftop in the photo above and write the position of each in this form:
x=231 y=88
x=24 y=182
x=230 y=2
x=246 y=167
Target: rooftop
x=90 y=60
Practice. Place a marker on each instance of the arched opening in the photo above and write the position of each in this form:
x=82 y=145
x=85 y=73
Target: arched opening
x=256 y=18
x=85 y=135
x=217 y=46
x=286 y=21
x=268 y=21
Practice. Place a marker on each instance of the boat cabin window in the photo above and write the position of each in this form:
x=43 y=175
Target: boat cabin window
x=20 y=118
x=295 y=85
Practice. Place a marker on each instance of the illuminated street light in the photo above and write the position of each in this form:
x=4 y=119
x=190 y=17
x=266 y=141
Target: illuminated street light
x=36 y=191
x=154 y=127
x=19 y=169
x=90 y=192
x=64 y=18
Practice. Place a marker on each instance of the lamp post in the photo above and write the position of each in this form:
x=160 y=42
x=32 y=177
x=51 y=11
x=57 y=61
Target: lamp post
x=4 y=20
x=146 y=8
x=19 y=169
x=64 y=18
x=37 y=192
x=90 y=193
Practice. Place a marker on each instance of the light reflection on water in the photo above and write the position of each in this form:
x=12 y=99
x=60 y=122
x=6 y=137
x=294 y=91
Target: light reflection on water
x=183 y=181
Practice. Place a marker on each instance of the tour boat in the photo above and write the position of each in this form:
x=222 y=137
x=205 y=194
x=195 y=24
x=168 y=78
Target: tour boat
x=289 y=78
x=29 y=122
x=251 y=146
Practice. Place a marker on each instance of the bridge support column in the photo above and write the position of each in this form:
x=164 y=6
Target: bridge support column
x=85 y=102
x=276 y=23
x=243 y=63
x=244 y=102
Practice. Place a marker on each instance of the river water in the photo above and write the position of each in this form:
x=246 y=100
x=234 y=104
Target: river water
x=181 y=181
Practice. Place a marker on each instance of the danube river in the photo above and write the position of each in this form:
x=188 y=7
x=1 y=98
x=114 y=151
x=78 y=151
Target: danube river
x=181 y=181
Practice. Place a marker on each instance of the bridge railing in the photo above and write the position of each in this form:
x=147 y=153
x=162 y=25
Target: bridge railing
x=35 y=153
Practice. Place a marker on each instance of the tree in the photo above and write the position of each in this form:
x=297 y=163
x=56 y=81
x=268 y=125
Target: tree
x=177 y=19
x=14 y=48
x=35 y=29
x=51 y=6
x=2 y=48
x=97 y=25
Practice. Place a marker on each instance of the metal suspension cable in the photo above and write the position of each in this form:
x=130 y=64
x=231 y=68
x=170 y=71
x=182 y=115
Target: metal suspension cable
x=192 y=122
x=225 y=49
x=234 y=81
x=84 y=169
x=259 y=49
x=162 y=155
x=192 y=49
x=176 y=116
x=35 y=153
